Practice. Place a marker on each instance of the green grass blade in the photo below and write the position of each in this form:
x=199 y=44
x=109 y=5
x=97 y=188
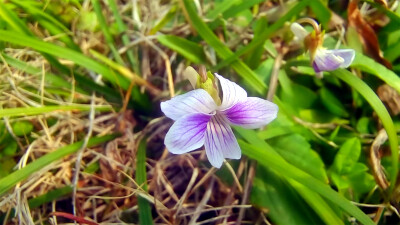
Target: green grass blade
x=106 y=32
x=49 y=196
x=57 y=81
x=188 y=49
x=12 y=179
x=13 y=20
x=221 y=8
x=49 y=77
x=54 y=26
x=266 y=34
x=30 y=111
x=224 y=52
x=382 y=113
x=320 y=206
x=19 y=26
x=122 y=29
x=267 y=157
x=145 y=216
x=235 y=9
x=366 y=64
x=65 y=53
x=169 y=16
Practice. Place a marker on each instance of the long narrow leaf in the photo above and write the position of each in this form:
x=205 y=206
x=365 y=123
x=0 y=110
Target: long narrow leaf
x=241 y=68
x=382 y=113
x=29 y=111
x=267 y=158
x=65 y=53
x=141 y=178
x=9 y=181
x=267 y=33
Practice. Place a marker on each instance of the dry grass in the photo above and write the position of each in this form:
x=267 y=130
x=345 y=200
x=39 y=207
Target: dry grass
x=181 y=189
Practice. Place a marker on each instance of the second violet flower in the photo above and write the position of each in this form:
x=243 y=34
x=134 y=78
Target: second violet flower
x=199 y=120
x=321 y=58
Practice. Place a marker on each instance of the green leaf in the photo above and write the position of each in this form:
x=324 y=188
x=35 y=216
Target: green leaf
x=295 y=95
x=29 y=111
x=145 y=216
x=266 y=34
x=22 y=128
x=347 y=156
x=297 y=151
x=268 y=158
x=190 y=50
x=380 y=110
x=106 y=32
x=279 y=198
x=322 y=12
x=65 y=53
x=332 y=103
x=49 y=196
x=220 y=8
x=9 y=181
x=369 y=65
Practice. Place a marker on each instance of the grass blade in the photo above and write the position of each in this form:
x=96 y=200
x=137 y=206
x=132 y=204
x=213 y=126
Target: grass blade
x=240 y=67
x=106 y=32
x=266 y=34
x=268 y=158
x=188 y=49
x=382 y=113
x=125 y=38
x=9 y=181
x=145 y=216
x=65 y=53
x=30 y=111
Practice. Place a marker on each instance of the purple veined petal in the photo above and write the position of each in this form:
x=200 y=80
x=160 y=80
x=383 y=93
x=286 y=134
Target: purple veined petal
x=196 y=101
x=231 y=92
x=252 y=113
x=187 y=133
x=299 y=32
x=346 y=54
x=220 y=142
x=328 y=60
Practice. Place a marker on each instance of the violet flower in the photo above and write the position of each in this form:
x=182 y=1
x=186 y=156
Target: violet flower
x=322 y=59
x=200 y=121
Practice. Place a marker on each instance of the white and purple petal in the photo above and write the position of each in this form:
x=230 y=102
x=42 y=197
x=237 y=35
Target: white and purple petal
x=220 y=142
x=196 y=101
x=231 y=92
x=187 y=133
x=328 y=60
x=252 y=113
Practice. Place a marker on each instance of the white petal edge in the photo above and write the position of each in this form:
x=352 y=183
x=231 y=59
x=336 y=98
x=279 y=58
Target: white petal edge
x=196 y=101
x=231 y=92
x=299 y=32
x=252 y=113
x=187 y=133
x=220 y=142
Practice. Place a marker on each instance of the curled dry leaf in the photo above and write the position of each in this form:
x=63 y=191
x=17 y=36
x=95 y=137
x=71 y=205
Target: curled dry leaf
x=378 y=173
x=390 y=97
x=366 y=33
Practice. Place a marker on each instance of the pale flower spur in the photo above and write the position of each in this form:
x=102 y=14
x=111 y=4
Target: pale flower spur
x=321 y=58
x=199 y=120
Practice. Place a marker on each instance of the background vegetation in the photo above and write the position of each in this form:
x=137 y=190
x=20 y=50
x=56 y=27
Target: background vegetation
x=81 y=134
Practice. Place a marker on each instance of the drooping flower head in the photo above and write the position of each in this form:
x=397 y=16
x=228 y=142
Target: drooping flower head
x=321 y=58
x=200 y=120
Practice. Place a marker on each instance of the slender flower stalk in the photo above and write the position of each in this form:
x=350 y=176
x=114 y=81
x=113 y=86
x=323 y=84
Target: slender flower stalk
x=203 y=119
x=321 y=58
